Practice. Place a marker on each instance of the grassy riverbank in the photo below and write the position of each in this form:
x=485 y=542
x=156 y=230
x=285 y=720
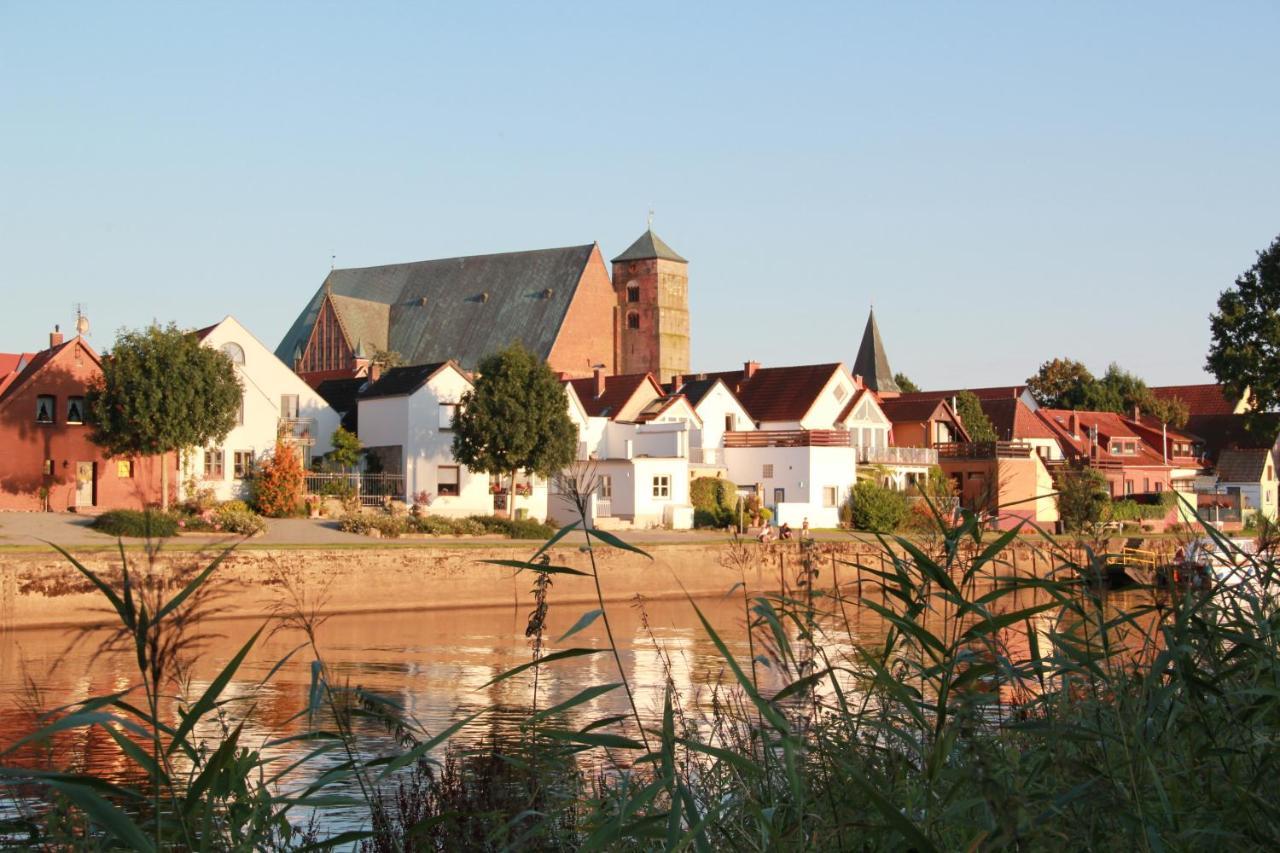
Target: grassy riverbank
x=980 y=721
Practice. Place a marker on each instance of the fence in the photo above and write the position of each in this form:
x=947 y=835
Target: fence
x=789 y=438
x=869 y=455
x=371 y=489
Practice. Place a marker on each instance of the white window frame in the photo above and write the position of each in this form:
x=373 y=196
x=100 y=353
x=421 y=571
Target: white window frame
x=441 y=484
x=605 y=488
x=662 y=487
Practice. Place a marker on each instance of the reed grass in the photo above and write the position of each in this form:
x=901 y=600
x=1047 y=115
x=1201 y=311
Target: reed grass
x=998 y=711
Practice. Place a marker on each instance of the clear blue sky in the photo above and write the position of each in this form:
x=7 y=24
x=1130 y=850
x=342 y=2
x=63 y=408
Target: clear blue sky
x=1008 y=182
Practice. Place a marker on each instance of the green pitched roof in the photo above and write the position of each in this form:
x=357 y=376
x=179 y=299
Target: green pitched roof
x=648 y=247
x=872 y=363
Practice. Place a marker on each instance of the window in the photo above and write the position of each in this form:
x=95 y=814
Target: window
x=242 y=464
x=729 y=422
x=447 y=481
x=124 y=468
x=213 y=469
x=44 y=408
x=606 y=487
x=633 y=293
x=829 y=496
x=75 y=410
x=767 y=472
x=1159 y=487
x=448 y=411
x=841 y=393
x=1128 y=487
x=233 y=351
x=662 y=486
x=289 y=406
x=1146 y=484
x=633 y=319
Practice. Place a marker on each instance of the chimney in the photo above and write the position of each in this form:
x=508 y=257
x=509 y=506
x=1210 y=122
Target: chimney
x=1075 y=425
x=749 y=369
x=676 y=381
x=1137 y=413
x=599 y=382
x=55 y=337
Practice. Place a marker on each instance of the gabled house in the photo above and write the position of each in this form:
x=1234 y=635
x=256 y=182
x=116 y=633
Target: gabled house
x=1015 y=421
x=719 y=411
x=406 y=425
x=923 y=420
x=1112 y=445
x=636 y=444
x=275 y=402
x=47 y=461
x=871 y=433
x=1248 y=477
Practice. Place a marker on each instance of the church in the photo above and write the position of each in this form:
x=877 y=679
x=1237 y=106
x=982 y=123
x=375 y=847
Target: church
x=561 y=304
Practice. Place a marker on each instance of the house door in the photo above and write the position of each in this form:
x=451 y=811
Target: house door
x=779 y=496
x=84 y=483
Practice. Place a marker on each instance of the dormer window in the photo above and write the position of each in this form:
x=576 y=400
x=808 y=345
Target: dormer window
x=44 y=408
x=633 y=293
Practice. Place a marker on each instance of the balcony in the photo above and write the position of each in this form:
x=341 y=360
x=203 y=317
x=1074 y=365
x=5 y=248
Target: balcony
x=298 y=430
x=984 y=450
x=789 y=438
x=897 y=456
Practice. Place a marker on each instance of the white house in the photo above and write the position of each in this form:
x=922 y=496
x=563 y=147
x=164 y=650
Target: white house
x=870 y=432
x=1250 y=474
x=634 y=444
x=275 y=399
x=406 y=423
x=719 y=411
x=798 y=457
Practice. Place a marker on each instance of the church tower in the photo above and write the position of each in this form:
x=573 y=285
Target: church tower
x=651 y=322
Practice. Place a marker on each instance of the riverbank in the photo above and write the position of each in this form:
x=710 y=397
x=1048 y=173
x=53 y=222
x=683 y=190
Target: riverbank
x=43 y=590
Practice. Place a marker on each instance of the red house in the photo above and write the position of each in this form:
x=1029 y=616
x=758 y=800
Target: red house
x=47 y=461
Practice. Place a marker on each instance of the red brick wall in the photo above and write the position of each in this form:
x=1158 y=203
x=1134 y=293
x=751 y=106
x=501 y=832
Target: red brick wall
x=26 y=444
x=586 y=335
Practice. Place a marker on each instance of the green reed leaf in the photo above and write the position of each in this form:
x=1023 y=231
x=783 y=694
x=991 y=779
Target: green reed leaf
x=559 y=534
x=610 y=539
x=207 y=701
x=585 y=738
x=580 y=698
x=551 y=658
x=527 y=565
x=583 y=621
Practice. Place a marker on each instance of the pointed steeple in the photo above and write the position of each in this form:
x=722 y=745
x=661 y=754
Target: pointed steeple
x=648 y=247
x=872 y=362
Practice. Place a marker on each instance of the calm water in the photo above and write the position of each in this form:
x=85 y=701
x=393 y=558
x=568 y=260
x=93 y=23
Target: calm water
x=435 y=663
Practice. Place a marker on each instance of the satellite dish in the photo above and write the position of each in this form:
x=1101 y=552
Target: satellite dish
x=82 y=325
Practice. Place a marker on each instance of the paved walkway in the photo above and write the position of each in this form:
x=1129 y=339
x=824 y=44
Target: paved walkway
x=33 y=529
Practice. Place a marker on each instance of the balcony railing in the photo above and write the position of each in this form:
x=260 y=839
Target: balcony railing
x=897 y=456
x=985 y=450
x=299 y=430
x=789 y=438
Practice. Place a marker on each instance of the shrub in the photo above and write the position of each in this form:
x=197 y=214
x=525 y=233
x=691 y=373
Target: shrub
x=1082 y=498
x=279 y=482
x=236 y=517
x=132 y=522
x=877 y=509
x=234 y=506
x=436 y=525
x=714 y=502
x=706 y=518
x=342 y=489
x=512 y=528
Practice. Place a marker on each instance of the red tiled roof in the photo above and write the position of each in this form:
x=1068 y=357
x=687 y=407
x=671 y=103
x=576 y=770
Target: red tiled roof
x=916 y=410
x=1108 y=425
x=659 y=406
x=779 y=393
x=11 y=364
x=1013 y=421
x=1206 y=399
x=1226 y=432
x=618 y=391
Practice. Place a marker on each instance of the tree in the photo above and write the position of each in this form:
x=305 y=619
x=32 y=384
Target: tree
x=1060 y=384
x=346 y=448
x=975 y=421
x=516 y=418
x=877 y=509
x=905 y=384
x=162 y=391
x=280 y=481
x=1082 y=498
x=1246 y=335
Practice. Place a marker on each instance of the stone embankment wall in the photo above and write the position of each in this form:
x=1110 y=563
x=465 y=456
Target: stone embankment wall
x=45 y=590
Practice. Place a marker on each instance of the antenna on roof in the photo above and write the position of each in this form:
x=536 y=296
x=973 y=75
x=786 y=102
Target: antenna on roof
x=333 y=262
x=651 y=219
x=82 y=322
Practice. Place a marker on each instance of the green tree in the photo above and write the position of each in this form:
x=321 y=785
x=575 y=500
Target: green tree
x=1082 y=498
x=516 y=418
x=976 y=422
x=162 y=391
x=877 y=509
x=1246 y=335
x=346 y=448
x=905 y=383
x=1061 y=384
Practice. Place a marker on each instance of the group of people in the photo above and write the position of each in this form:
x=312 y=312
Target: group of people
x=784 y=532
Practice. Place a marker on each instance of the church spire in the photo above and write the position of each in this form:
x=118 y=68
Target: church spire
x=872 y=362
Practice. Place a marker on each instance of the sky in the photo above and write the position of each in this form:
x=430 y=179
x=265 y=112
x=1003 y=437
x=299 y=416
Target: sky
x=1005 y=182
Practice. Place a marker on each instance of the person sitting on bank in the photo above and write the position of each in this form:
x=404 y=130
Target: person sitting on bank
x=765 y=535
x=784 y=531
